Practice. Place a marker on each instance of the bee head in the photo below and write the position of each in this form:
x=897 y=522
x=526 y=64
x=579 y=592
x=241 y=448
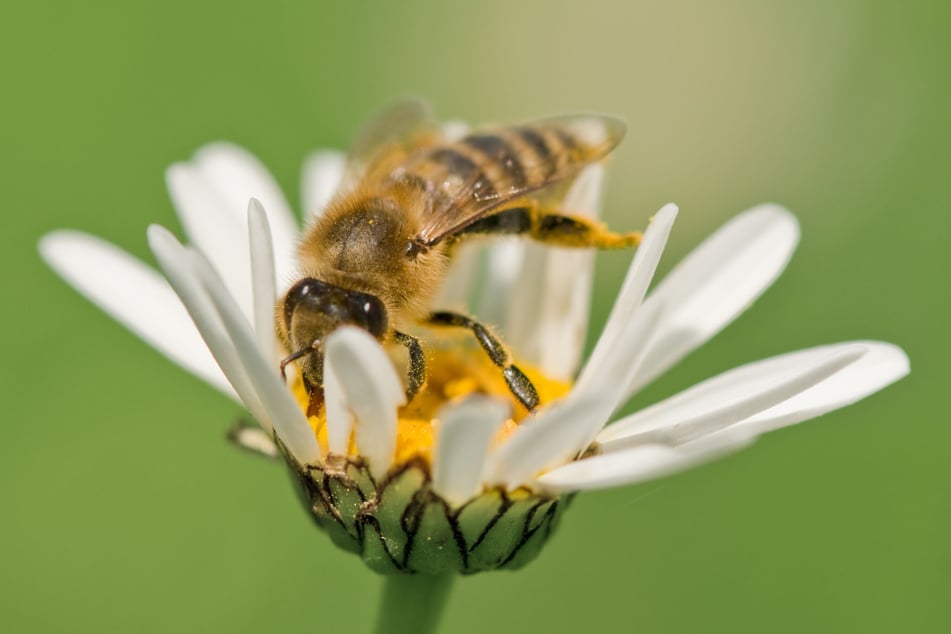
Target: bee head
x=312 y=309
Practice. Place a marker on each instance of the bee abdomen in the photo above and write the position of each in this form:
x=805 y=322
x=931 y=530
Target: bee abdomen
x=523 y=157
x=500 y=163
x=499 y=151
x=460 y=168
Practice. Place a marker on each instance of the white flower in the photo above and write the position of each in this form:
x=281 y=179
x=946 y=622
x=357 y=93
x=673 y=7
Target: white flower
x=242 y=256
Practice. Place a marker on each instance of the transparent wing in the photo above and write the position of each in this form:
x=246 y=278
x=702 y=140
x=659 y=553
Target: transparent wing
x=490 y=170
x=387 y=138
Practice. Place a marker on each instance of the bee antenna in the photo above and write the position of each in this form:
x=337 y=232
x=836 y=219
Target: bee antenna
x=294 y=356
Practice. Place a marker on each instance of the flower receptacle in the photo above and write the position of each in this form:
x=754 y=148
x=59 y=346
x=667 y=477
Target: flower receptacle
x=399 y=525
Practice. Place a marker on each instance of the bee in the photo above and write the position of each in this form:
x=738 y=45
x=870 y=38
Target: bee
x=376 y=256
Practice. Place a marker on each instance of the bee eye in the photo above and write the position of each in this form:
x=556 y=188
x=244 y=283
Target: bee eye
x=374 y=315
x=334 y=306
x=303 y=290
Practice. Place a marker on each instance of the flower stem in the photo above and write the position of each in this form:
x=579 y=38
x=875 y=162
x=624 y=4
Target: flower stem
x=413 y=603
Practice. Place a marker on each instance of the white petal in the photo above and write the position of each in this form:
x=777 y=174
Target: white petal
x=254 y=439
x=262 y=278
x=518 y=296
x=503 y=266
x=462 y=443
x=639 y=464
x=339 y=417
x=611 y=377
x=544 y=441
x=237 y=176
x=220 y=234
x=454 y=291
x=171 y=257
x=286 y=416
x=629 y=300
x=566 y=428
x=134 y=295
x=372 y=391
x=550 y=300
x=322 y=175
x=716 y=282
x=730 y=397
x=584 y=196
x=882 y=365
x=595 y=130
x=454 y=130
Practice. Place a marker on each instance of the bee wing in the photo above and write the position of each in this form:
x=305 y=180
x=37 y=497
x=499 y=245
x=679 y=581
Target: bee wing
x=488 y=169
x=393 y=133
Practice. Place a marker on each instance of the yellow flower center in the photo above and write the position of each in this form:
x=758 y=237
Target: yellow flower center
x=456 y=369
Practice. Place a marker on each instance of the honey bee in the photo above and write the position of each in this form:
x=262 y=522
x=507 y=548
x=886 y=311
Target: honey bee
x=376 y=256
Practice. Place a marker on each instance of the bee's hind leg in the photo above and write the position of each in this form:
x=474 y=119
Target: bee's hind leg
x=552 y=227
x=520 y=385
x=417 y=363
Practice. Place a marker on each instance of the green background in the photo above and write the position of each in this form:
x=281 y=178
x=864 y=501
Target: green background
x=123 y=509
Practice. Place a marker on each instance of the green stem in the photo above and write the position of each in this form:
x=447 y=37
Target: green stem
x=413 y=603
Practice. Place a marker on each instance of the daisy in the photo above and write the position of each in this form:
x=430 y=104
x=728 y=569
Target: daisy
x=462 y=479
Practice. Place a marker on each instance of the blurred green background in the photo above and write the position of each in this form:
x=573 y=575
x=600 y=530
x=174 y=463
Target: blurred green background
x=125 y=510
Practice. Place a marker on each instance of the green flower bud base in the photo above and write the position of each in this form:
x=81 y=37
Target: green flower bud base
x=399 y=525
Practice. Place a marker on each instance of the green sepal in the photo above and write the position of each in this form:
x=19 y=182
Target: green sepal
x=472 y=516
x=435 y=545
x=399 y=525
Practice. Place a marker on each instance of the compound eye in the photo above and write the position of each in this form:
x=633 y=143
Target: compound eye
x=306 y=289
x=374 y=316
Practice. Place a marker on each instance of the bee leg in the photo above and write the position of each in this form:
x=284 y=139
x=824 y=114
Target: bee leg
x=315 y=388
x=520 y=385
x=553 y=227
x=576 y=231
x=417 y=363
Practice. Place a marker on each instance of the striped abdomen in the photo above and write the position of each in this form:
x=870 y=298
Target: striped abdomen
x=468 y=178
